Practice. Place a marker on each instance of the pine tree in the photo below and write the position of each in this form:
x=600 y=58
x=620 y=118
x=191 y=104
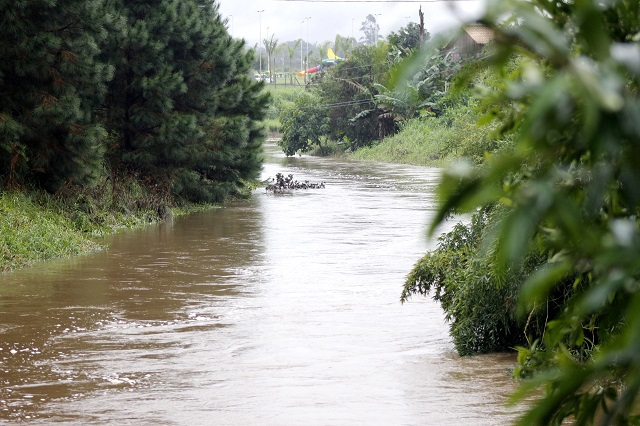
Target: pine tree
x=141 y=101
x=51 y=82
x=231 y=152
x=179 y=77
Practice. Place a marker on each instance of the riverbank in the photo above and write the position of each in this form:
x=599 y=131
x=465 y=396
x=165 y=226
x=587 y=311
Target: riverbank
x=36 y=226
x=434 y=141
x=426 y=141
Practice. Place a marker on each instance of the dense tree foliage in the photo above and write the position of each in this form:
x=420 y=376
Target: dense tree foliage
x=361 y=108
x=407 y=38
x=418 y=85
x=305 y=124
x=160 y=87
x=480 y=302
x=179 y=71
x=350 y=88
x=570 y=193
x=51 y=81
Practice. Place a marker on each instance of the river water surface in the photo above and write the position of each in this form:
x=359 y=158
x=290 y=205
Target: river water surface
x=279 y=310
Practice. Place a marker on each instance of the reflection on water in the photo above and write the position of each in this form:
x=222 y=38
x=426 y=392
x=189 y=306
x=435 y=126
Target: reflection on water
x=283 y=309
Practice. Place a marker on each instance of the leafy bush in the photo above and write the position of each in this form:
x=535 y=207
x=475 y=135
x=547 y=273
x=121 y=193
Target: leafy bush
x=570 y=184
x=479 y=301
x=350 y=88
x=304 y=124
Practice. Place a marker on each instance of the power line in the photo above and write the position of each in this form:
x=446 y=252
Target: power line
x=335 y=105
x=340 y=104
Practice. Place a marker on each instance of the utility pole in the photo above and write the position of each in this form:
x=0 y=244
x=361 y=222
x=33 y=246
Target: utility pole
x=301 y=63
x=307 y=59
x=352 y=19
x=269 y=56
x=260 y=40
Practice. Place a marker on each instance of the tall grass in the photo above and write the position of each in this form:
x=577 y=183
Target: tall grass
x=281 y=90
x=36 y=226
x=435 y=141
x=32 y=231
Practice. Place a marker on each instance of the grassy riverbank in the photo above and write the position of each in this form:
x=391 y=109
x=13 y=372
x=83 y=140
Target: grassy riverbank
x=36 y=226
x=425 y=141
x=434 y=141
x=33 y=228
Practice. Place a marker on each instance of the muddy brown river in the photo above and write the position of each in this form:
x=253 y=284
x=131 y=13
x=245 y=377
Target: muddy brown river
x=279 y=310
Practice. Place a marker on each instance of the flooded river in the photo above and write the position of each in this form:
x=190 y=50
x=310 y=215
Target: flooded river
x=279 y=310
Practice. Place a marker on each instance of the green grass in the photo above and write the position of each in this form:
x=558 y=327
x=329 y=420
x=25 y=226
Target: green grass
x=434 y=141
x=34 y=230
x=283 y=91
x=281 y=96
x=418 y=143
x=36 y=226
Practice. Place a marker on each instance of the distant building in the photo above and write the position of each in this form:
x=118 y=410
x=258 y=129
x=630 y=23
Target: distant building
x=470 y=42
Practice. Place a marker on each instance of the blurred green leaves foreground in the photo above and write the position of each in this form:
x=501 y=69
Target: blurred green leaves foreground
x=562 y=207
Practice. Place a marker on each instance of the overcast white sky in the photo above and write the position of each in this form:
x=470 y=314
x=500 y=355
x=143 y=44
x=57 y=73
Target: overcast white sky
x=284 y=18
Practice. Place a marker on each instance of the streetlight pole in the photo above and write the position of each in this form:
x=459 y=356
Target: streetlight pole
x=260 y=39
x=307 y=61
x=301 y=63
x=304 y=64
x=352 y=19
x=268 y=56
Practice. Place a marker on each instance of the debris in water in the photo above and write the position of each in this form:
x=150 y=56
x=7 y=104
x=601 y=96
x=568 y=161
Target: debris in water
x=283 y=183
